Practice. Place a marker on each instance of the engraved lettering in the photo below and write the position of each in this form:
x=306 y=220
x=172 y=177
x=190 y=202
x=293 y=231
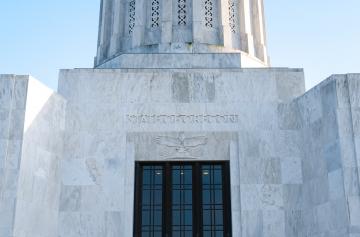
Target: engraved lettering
x=182 y=119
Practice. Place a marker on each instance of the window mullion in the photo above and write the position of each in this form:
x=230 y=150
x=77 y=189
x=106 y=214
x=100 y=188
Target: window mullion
x=226 y=199
x=167 y=200
x=138 y=194
x=197 y=200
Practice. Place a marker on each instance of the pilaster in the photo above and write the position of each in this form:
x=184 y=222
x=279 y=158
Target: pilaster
x=224 y=28
x=166 y=20
x=140 y=23
x=117 y=30
x=245 y=22
x=198 y=22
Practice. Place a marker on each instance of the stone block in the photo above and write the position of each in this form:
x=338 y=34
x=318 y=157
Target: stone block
x=342 y=91
x=16 y=126
x=180 y=88
x=6 y=91
x=310 y=106
x=4 y=123
x=328 y=97
x=70 y=224
x=289 y=116
x=354 y=210
x=332 y=156
x=319 y=190
x=6 y=232
x=13 y=154
x=336 y=185
x=354 y=90
x=70 y=199
x=7 y=213
x=253 y=223
x=272 y=171
x=291 y=170
x=293 y=196
x=20 y=92
x=339 y=218
x=310 y=224
x=355 y=112
x=113 y=224
x=274 y=223
x=76 y=172
x=330 y=128
x=3 y=152
x=351 y=181
x=289 y=85
x=294 y=225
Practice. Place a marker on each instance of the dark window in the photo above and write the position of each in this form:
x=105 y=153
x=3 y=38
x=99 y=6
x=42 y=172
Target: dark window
x=189 y=199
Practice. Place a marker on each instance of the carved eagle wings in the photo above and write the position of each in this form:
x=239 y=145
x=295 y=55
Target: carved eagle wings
x=181 y=144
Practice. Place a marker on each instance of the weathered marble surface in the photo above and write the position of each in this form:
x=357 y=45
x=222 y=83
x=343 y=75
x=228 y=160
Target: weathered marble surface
x=286 y=148
x=29 y=189
x=12 y=111
x=138 y=107
x=294 y=155
x=183 y=60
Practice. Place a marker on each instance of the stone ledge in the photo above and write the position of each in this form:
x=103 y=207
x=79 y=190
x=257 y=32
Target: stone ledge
x=183 y=60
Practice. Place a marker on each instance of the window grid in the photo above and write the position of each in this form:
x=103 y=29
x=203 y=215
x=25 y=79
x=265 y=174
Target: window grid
x=212 y=201
x=167 y=204
x=151 y=204
x=182 y=223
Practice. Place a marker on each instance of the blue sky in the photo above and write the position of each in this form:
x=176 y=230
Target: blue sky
x=39 y=37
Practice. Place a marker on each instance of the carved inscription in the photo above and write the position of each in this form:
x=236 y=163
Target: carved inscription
x=182 y=119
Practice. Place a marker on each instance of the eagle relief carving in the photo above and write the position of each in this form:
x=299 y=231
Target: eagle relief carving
x=181 y=146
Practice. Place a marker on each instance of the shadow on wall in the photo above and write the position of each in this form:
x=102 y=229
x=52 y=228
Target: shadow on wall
x=36 y=196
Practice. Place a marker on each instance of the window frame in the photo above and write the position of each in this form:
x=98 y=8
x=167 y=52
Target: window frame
x=197 y=191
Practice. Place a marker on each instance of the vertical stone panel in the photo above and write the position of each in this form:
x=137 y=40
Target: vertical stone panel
x=247 y=41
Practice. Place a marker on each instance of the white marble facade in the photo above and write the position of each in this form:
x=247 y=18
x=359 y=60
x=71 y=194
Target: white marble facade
x=67 y=158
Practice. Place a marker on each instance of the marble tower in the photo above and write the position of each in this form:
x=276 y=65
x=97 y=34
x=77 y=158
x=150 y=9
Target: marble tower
x=187 y=84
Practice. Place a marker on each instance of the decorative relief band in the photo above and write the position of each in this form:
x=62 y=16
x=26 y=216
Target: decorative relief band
x=209 y=8
x=232 y=20
x=155 y=13
x=131 y=16
x=182 y=12
x=182 y=119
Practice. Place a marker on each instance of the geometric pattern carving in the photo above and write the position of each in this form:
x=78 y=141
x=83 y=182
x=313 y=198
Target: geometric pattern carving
x=131 y=16
x=155 y=13
x=181 y=12
x=209 y=13
x=232 y=20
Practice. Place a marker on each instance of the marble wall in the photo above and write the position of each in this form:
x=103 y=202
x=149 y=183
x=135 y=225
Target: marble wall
x=32 y=124
x=327 y=199
x=38 y=184
x=70 y=162
x=13 y=92
x=137 y=107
